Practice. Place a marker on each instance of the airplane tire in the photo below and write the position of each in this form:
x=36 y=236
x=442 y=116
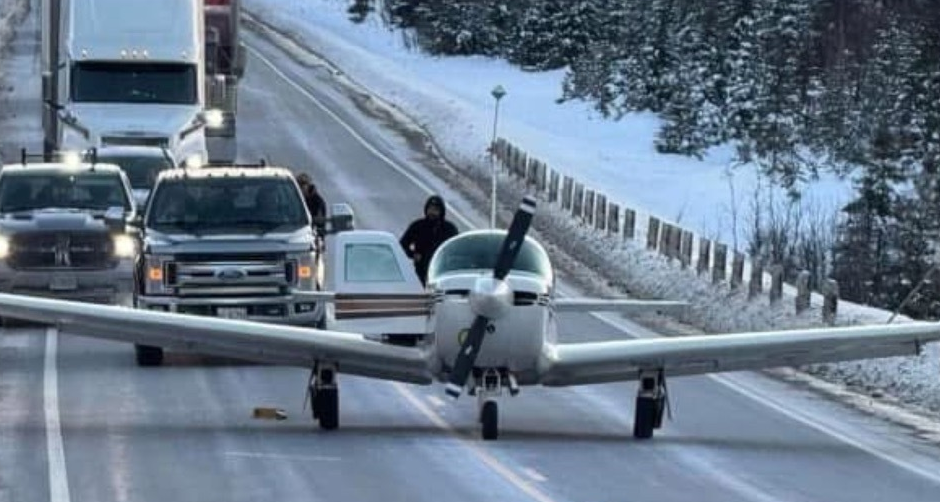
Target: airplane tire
x=326 y=403
x=148 y=356
x=489 y=417
x=644 y=420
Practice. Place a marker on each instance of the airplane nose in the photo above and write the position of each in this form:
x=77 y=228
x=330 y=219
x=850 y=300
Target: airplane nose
x=490 y=298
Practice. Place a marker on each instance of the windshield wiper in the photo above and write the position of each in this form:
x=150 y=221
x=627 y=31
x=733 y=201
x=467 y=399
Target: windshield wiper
x=266 y=225
x=189 y=227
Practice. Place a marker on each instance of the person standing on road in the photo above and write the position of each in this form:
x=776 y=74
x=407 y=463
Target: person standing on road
x=315 y=203
x=425 y=235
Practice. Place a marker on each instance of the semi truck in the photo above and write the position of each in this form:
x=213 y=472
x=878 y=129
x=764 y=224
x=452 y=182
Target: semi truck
x=225 y=66
x=125 y=72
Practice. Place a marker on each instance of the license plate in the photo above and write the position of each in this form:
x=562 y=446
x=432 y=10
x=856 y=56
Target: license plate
x=232 y=312
x=63 y=282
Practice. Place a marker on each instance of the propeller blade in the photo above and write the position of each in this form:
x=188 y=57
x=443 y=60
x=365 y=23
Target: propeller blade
x=466 y=357
x=514 y=238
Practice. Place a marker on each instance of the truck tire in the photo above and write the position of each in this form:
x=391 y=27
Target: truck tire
x=148 y=356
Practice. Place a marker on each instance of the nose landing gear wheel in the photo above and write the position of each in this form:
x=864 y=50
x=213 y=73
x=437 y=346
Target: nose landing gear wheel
x=489 y=418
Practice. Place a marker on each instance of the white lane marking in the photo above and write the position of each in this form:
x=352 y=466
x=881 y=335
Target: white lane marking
x=484 y=456
x=534 y=475
x=436 y=401
x=58 y=478
x=280 y=456
x=426 y=188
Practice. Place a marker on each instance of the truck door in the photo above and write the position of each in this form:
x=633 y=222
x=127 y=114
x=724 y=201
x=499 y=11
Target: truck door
x=377 y=291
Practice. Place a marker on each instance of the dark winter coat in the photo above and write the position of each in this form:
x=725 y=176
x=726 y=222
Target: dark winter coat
x=425 y=235
x=316 y=205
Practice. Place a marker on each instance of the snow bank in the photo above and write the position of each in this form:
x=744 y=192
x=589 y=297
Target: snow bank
x=11 y=13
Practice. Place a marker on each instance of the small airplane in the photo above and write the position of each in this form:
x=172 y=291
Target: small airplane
x=487 y=325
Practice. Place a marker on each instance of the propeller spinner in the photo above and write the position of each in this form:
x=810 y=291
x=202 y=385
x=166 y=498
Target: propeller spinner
x=491 y=298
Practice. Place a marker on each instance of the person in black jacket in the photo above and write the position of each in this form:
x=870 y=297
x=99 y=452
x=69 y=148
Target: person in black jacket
x=315 y=203
x=425 y=235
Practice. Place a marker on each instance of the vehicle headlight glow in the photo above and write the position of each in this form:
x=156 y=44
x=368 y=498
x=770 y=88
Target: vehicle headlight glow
x=194 y=161
x=71 y=158
x=4 y=247
x=124 y=246
x=214 y=118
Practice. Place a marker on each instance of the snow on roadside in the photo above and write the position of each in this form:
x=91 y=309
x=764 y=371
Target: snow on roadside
x=914 y=381
x=11 y=13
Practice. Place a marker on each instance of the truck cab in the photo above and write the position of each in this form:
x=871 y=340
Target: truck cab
x=64 y=232
x=125 y=72
x=230 y=242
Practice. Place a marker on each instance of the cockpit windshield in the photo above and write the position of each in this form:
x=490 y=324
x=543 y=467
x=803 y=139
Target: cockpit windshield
x=475 y=251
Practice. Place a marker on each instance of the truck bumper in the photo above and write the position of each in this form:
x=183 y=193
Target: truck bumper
x=287 y=309
x=113 y=286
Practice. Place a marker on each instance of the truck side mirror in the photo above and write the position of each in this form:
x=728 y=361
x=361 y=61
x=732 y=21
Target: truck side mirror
x=114 y=219
x=341 y=219
x=240 y=60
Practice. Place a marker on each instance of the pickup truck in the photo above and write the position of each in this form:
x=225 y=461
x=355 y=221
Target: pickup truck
x=233 y=242
x=64 y=232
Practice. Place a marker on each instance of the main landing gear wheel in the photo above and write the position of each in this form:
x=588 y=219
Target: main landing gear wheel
x=326 y=408
x=650 y=406
x=148 y=356
x=489 y=418
x=324 y=397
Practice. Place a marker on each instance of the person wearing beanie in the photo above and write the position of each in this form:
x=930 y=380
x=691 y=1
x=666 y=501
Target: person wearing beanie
x=425 y=235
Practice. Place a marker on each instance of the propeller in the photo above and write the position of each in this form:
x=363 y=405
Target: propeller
x=491 y=298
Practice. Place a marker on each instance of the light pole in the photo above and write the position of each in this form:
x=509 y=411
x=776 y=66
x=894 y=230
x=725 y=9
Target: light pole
x=498 y=92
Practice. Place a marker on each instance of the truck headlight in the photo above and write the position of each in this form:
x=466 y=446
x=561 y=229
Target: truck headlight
x=124 y=246
x=4 y=247
x=194 y=161
x=214 y=118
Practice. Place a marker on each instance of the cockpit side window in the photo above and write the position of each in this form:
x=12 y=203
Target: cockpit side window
x=367 y=262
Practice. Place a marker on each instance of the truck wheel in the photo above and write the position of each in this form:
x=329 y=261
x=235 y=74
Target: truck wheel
x=148 y=356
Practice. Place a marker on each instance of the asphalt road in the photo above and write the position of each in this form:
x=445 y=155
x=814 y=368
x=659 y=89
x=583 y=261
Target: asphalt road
x=184 y=432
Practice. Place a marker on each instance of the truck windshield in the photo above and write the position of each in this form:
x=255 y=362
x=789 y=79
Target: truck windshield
x=86 y=191
x=141 y=171
x=158 y=83
x=226 y=204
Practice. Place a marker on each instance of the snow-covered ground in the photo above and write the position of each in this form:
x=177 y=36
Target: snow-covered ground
x=450 y=98
x=10 y=12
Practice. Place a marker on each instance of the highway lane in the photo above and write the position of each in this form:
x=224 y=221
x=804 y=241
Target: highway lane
x=184 y=432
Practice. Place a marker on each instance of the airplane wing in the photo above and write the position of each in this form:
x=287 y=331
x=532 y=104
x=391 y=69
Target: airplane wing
x=599 y=362
x=624 y=306
x=267 y=343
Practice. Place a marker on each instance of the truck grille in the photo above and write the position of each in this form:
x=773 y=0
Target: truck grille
x=230 y=275
x=62 y=250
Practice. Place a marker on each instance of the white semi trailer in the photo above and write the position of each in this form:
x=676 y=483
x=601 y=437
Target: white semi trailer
x=125 y=72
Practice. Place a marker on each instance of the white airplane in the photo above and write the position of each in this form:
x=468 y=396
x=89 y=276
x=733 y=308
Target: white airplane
x=487 y=325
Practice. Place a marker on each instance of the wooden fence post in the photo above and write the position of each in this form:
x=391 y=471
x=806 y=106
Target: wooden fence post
x=613 y=219
x=830 y=290
x=578 y=201
x=587 y=215
x=553 y=186
x=567 y=193
x=629 y=223
x=664 y=235
x=685 y=248
x=737 y=269
x=704 y=253
x=756 y=284
x=600 y=213
x=652 y=233
x=776 y=283
x=802 y=291
x=718 y=267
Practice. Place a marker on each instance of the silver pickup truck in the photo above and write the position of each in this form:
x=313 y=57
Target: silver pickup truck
x=232 y=242
x=63 y=232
